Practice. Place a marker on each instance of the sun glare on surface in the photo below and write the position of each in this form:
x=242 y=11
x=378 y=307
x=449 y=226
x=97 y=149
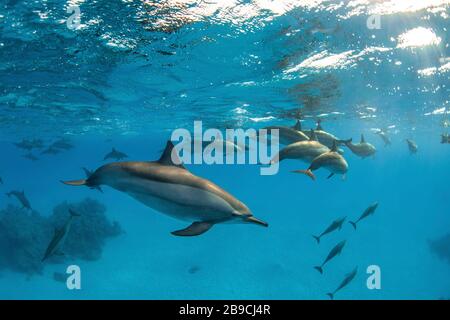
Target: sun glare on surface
x=418 y=37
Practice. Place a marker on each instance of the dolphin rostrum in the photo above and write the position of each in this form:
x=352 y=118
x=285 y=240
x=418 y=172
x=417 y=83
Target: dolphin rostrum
x=20 y=195
x=362 y=149
x=59 y=237
x=335 y=225
x=333 y=253
x=303 y=150
x=412 y=146
x=166 y=186
x=114 y=154
x=348 y=278
x=331 y=160
x=369 y=211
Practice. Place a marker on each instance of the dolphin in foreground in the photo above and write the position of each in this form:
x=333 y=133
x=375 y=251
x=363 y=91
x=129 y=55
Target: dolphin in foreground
x=114 y=154
x=330 y=160
x=362 y=149
x=348 y=278
x=333 y=253
x=335 y=225
x=55 y=245
x=20 y=195
x=369 y=211
x=166 y=186
x=412 y=146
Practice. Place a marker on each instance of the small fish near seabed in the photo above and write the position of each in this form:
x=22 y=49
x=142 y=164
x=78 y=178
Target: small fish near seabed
x=168 y=187
x=335 y=225
x=383 y=135
x=368 y=212
x=305 y=151
x=333 y=253
x=362 y=149
x=116 y=155
x=348 y=278
x=412 y=146
x=445 y=138
x=332 y=161
x=20 y=195
x=59 y=237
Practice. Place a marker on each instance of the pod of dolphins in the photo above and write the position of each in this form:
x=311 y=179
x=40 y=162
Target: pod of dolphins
x=168 y=187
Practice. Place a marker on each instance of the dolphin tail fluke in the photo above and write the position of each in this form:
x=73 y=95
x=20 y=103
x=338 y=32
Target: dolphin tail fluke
x=345 y=141
x=331 y=295
x=353 y=224
x=308 y=172
x=252 y=219
x=195 y=229
x=319 y=268
x=317 y=239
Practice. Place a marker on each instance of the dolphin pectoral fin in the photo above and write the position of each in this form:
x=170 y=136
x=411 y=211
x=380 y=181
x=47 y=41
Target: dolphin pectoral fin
x=195 y=229
x=331 y=174
x=80 y=182
x=308 y=172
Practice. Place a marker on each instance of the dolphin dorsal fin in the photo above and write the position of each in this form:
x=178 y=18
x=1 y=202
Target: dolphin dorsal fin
x=334 y=147
x=362 y=138
x=87 y=172
x=319 y=126
x=313 y=136
x=297 y=126
x=167 y=158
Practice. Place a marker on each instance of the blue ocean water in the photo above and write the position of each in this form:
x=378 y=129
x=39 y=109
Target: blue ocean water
x=133 y=71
